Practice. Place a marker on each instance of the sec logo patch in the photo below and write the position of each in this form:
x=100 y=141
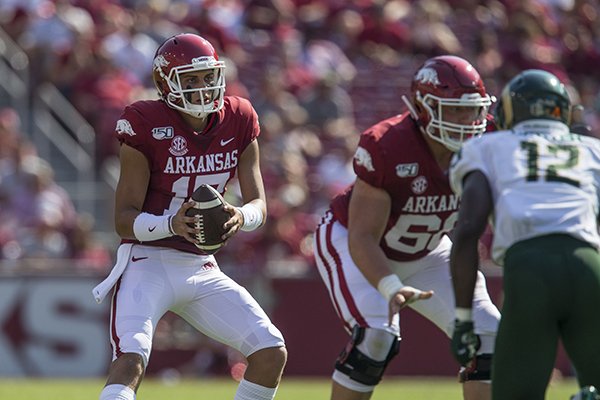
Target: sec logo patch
x=419 y=185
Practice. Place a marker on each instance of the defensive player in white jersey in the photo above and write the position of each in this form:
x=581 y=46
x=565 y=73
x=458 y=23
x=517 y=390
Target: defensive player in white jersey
x=385 y=236
x=540 y=184
x=192 y=135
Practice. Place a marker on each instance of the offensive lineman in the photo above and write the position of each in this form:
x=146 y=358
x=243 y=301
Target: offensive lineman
x=192 y=135
x=540 y=184
x=385 y=236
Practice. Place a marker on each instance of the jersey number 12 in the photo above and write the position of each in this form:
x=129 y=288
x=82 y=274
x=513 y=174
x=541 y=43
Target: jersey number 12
x=563 y=158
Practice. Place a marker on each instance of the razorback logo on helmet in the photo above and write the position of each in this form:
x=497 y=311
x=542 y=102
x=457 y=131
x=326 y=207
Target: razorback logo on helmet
x=159 y=62
x=428 y=75
x=363 y=158
x=124 y=127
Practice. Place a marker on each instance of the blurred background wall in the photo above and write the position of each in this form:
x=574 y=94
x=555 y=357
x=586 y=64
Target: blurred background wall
x=51 y=327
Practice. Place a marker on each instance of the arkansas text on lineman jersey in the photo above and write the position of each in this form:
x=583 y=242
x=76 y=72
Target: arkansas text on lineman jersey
x=393 y=156
x=181 y=159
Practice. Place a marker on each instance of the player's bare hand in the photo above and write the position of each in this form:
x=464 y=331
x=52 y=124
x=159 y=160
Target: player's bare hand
x=407 y=295
x=183 y=225
x=234 y=224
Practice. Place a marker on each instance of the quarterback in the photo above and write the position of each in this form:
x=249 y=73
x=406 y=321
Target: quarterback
x=385 y=238
x=192 y=135
x=540 y=185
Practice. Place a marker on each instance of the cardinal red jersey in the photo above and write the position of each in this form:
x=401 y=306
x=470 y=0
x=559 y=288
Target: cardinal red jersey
x=181 y=159
x=393 y=156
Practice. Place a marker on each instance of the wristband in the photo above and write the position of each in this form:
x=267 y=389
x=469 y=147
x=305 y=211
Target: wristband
x=149 y=227
x=170 y=225
x=253 y=217
x=389 y=286
x=463 y=314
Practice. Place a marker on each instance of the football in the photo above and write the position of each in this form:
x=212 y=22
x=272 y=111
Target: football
x=210 y=208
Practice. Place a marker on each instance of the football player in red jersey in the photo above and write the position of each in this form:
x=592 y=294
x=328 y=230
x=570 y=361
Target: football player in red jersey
x=192 y=135
x=385 y=238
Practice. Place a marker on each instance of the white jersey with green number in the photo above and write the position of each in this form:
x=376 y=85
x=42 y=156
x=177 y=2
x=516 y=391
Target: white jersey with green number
x=543 y=179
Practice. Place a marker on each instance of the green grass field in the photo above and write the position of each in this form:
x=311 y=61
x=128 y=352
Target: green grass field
x=217 y=389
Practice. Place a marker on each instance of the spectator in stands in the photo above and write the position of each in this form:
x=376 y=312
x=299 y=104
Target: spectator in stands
x=45 y=213
x=51 y=35
x=268 y=15
x=383 y=28
x=530 y=46
x=325 y=59
x=211 y=21
x=345 y=28
x=431 y=33
x=235 y=87
x=581 y=52
x=11 y=140
x=101 y=91
x=279 y=109
x=150 y=19
x=487 y=54
x=326 y=103
x=297 y=74
x=13 y=148
x=130 y=49
x=15 y=16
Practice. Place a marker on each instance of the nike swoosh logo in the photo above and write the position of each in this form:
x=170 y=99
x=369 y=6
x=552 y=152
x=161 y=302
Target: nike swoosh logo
x=225 y=142
x=134 y=259
x=151 y=229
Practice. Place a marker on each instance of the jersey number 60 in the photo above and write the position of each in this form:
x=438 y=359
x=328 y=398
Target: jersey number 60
x=402 y=239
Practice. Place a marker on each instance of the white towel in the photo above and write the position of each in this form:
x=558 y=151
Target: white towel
x=102 y=289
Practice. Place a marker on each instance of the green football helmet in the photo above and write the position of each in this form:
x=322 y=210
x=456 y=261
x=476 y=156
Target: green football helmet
x=533 y=94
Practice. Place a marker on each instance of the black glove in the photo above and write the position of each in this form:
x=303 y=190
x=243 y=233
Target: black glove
x=465 y=342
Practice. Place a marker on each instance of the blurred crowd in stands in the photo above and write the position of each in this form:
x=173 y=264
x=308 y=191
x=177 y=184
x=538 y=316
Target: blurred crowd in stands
x=318 y=72
x=39 y=220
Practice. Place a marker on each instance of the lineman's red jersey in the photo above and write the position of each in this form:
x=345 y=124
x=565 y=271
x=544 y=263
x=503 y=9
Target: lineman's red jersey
x=181 y=159
x=393 y=155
